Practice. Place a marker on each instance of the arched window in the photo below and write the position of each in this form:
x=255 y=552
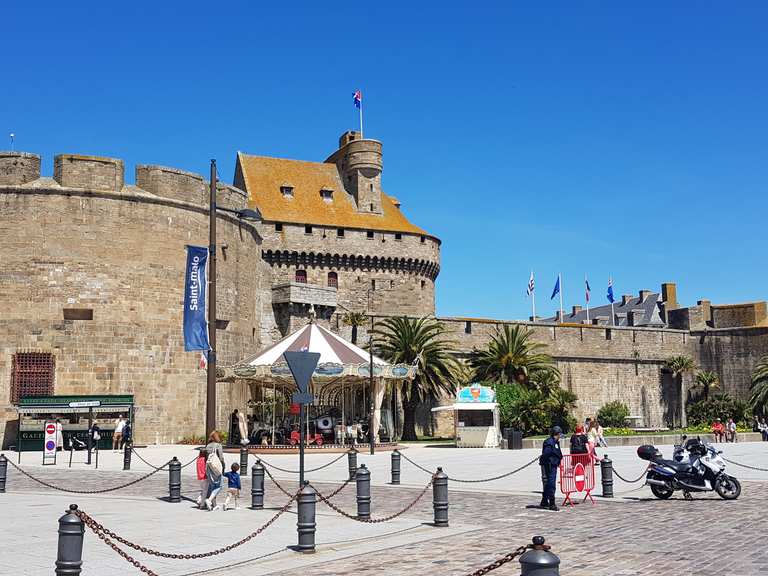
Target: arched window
x=301 y=276
x=333 y=280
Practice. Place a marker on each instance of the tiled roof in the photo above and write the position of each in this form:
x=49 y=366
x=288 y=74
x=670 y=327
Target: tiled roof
x=649 y=308
x=263 y=177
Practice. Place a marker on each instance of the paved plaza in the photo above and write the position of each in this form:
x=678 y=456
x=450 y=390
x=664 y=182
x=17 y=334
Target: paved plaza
x=632 y=534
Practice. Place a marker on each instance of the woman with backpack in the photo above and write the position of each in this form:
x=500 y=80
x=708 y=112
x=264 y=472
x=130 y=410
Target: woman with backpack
x=214 y=468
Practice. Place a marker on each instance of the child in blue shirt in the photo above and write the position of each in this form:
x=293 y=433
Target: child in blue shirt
x=233 y=484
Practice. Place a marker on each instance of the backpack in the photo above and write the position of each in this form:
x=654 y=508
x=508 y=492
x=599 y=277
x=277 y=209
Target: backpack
x=579 y=444
x=214 y=464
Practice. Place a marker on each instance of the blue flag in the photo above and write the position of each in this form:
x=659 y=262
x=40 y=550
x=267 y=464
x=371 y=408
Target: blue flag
x=610 y=290
x=195 y=325
x=556 y=291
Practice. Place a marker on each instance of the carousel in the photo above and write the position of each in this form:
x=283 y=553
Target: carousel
x=347 y=385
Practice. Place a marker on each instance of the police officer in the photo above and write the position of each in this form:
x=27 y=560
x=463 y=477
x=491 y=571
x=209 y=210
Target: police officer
x=550 y=460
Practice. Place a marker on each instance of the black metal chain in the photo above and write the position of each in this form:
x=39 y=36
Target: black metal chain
x=276 y=483
x=72 y=491
x=164 y=466
x=297 y=471
x=105 y=533
x=620 y=477
x=503 y=560
x=472 y=481
x=745 y=465
x=326 y=500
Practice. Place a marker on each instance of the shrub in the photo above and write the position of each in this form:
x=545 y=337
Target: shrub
x=613 y=415
x=722 y=406
x=533 y=411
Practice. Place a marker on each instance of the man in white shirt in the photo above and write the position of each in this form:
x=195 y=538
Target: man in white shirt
x=117 y=436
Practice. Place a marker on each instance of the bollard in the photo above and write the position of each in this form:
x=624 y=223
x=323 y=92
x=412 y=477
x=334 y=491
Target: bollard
x=363 y=481
x=243 y=461
x=3 y=472
x=440 y=497
x=69 y=559
x=127 y=450
x=352 y=461
x=395 y=467
x=305 y=525
x=606 y=476
x=539 y=561
x=257 y=486
x=174 y=480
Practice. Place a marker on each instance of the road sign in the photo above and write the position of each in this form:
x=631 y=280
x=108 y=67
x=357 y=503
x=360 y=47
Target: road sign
x=579 y=477
x=49 y=443
x=302 y=365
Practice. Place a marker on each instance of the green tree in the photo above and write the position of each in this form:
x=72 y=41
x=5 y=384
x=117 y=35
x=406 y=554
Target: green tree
x=707 y=381
x=679 y=366
x=422 y=342
x=758 y=398
x=354 y=319
x=512 y=356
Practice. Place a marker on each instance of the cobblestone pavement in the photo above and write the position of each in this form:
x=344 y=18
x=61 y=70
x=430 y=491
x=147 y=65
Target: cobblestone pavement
x=634 y=534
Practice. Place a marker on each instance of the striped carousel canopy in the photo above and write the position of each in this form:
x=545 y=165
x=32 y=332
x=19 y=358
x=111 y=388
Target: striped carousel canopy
x=338 y=357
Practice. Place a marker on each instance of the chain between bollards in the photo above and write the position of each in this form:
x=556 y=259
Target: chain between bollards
x=440 y=497
x=305 y=523
x=363 y=482
x=3 y=472
x=174 y=480
x=395 y=467
x=257 y=486
x=243 y=461
x=352 y=462
x=69 y=558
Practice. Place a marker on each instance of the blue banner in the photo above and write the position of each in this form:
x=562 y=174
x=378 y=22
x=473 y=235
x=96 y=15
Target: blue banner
x=195 y=289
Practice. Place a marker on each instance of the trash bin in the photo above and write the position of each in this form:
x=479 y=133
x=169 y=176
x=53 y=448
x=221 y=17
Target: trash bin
x=515 y=440
x=506 y=438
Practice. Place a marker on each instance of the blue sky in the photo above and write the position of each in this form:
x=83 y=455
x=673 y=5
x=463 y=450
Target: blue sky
x=574 y=137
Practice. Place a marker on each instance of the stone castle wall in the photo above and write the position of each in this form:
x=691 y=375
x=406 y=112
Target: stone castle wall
x=83 y=240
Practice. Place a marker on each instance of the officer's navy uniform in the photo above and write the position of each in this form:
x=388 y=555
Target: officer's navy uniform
x=550 y=460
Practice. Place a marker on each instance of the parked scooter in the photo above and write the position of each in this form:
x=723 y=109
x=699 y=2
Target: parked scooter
x=702 y=471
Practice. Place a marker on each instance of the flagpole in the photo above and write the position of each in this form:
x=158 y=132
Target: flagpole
x=560 y=277
x=586 y=283
x=613 y=314
x=361 y=119
x=533 y=299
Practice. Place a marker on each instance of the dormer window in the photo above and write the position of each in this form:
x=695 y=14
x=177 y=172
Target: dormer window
x=286 y=190
x=326 y=194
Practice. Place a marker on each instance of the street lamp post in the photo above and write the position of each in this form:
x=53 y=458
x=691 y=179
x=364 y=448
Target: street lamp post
x=247 y=214
x=371 y=435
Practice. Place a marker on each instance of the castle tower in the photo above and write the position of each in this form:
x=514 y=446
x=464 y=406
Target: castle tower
x=359 y=164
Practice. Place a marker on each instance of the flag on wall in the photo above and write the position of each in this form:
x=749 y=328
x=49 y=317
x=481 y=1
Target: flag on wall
x=358 y=98
x=556 y=290
x=587 y=289
x=610 y=290
x=531 y=285
x=195 y=292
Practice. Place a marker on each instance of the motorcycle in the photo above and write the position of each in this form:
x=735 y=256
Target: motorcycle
x=696 y=467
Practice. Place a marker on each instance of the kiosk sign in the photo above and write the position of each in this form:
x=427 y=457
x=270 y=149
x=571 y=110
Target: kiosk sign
x=49 y=443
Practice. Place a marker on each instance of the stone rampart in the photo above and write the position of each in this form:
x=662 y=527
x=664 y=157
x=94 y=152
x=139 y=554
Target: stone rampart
x=18 y=168
x=118 y=253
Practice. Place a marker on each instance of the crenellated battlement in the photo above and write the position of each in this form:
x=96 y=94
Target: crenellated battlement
x=100 y=173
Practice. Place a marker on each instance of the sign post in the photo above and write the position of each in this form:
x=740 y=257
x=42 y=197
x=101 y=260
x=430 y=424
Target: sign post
x=302 y=365
x=49 y=443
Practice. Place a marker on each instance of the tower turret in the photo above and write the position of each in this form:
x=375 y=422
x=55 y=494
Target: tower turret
x=359 y=163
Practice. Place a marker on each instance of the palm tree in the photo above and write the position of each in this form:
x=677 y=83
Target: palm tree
x=707 y=380
x=418 y=342
x=511 y=356
x=758 y=399
x=354 y=319
x=679 y=365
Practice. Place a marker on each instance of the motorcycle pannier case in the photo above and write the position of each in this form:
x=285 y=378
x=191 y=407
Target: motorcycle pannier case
x=648 y=452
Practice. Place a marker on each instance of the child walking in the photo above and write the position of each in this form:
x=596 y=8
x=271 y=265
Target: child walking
x=233 y=485
x=200 y=466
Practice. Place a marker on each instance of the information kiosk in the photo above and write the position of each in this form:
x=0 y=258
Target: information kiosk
x=475 y=417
